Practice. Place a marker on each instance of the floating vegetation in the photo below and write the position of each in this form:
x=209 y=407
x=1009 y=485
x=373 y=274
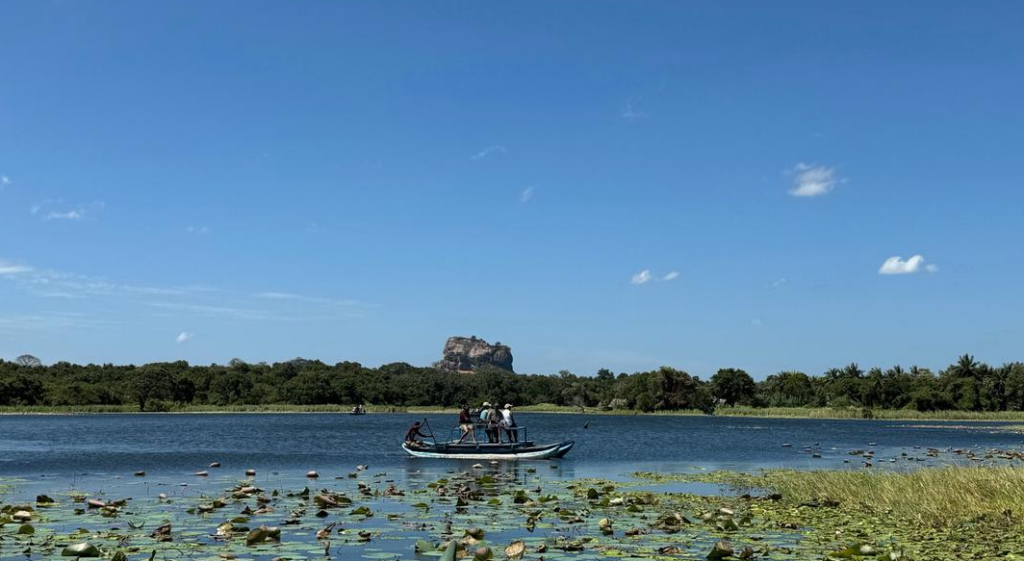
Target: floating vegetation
x=492 y=514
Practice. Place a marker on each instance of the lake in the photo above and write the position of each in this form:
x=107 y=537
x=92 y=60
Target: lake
x=401 y=508
x=63 y=446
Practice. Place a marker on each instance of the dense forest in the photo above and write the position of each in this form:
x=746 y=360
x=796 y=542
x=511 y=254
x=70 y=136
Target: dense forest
x=967 y=385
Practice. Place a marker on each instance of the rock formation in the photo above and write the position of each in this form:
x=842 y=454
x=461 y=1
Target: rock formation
x=466 y=354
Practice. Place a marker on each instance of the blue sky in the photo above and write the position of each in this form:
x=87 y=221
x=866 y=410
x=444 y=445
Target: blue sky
x=598 y=184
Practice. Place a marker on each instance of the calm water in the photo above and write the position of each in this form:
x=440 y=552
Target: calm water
x=63 y=446
x=96 y=456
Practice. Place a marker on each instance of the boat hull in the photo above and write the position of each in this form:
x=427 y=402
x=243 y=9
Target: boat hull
x=491 y=452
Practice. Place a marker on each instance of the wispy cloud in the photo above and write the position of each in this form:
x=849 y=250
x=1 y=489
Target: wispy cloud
x=193 y=301
x=498 y=149
x=54 y=209
x=756 y=322
x=896 y=265
x=215 y=311
x=8 y=268
x=631 y=112
x=778 y=282
x=646 y=276
x=643 y=277
x=69 y=215
x=310 y=299
x=197 y=230
x=50 y=321
x=182 y=337
x=526 y=195
x=314 y=228
x=812 y=180
x=4 y=181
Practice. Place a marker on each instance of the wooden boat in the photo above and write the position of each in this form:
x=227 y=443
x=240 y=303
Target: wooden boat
x=525 y=449
x=488 y=451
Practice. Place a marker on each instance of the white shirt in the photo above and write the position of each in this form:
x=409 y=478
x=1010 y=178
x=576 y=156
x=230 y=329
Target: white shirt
x=506 y=414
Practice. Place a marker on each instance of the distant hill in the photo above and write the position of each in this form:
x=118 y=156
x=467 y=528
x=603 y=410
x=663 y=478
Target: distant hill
x=467 y=354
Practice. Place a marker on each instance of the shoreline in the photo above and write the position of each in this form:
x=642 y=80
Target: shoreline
x=737 y=412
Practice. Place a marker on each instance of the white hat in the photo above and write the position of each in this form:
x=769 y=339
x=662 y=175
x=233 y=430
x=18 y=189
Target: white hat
x=486 y=404
x=508 y=406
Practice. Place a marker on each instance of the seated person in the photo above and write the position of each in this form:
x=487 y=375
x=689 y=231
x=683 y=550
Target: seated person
x=414 y=431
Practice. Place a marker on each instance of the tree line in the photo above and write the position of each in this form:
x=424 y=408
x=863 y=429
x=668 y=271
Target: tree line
x=967 y=385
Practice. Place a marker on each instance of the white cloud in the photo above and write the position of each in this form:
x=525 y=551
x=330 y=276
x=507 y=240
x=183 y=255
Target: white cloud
x=756 y=322
x=646 y=276
x=631 y=112
x=812 y=180
x=7 y=268
x=310 y=299
x=4 y=180
x=78 y=212
x=182 y=337
x=526 y=195
x=643 y=277
x=488 y=151
x=896 y=265
x=779 y=282
x=197 y=230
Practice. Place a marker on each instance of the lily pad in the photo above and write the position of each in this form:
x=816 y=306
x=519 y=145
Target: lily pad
x=84 y=549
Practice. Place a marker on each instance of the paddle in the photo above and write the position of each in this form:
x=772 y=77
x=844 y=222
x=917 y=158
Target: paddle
x=431 y=429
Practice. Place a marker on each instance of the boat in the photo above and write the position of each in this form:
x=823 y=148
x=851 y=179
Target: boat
x=488 y=451
x=524 y=449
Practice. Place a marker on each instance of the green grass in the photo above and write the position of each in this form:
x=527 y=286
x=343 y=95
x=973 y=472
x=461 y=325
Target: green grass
x=270 y=408
x=862 y=413
x=943 y=497
x=738 y=411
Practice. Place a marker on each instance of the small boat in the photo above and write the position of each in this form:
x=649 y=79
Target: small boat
x=524 y=449
x=487 y=451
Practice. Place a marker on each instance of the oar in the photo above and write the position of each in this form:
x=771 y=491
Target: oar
x=431 y=429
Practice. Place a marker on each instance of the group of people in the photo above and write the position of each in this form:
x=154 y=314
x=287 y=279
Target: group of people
x=492 y=420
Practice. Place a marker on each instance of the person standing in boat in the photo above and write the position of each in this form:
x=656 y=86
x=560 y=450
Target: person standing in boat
x=494 y=422
x=466 y=425
x=491 y=418
x=485 y=415
x=508 y=422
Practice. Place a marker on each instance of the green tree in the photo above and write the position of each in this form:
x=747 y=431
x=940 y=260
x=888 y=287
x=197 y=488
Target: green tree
x=733 y=387
x=147 y=383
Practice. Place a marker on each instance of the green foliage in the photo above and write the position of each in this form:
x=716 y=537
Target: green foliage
x=733 y=387
x=968 y=386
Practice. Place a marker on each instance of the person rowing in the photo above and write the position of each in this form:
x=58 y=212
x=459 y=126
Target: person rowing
x=414 y=431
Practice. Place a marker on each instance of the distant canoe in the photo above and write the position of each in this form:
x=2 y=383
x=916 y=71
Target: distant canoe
x=486 y=451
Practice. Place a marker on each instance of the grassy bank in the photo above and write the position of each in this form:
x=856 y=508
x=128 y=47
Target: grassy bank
x=757 y=412
x=935 y=514
x=862 y=413
x=946 y=497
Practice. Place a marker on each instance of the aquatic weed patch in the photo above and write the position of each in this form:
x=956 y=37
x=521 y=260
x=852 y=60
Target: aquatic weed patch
x=942 y=513
x=487 y=513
